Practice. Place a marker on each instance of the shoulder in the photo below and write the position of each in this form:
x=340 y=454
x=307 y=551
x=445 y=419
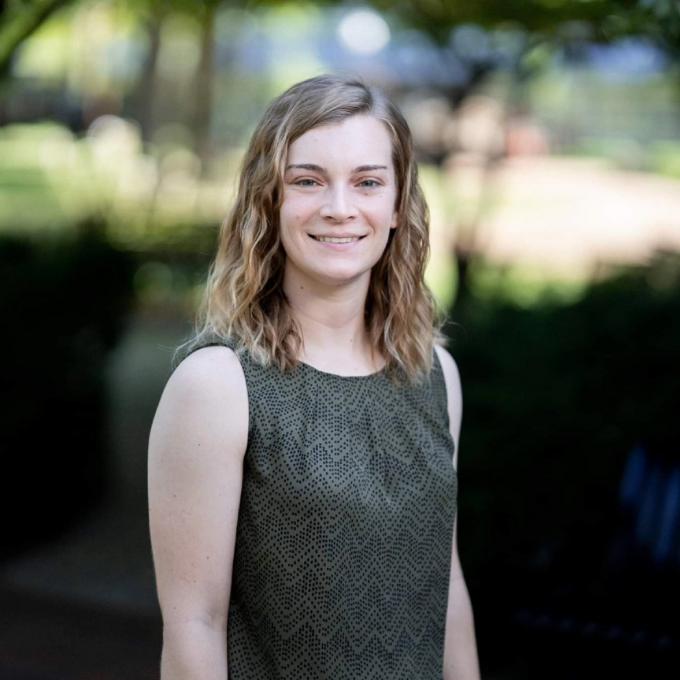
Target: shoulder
x=211 y=371
x=454 y=391
x=206 y=392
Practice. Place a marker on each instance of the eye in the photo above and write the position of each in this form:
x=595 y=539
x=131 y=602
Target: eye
x=375 y=183
x=299 y=182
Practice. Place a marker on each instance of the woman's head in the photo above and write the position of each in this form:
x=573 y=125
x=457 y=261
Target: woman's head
x=338 y=183
x=244 y=297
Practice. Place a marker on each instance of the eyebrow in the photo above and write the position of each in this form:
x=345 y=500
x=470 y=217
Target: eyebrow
x=318 y=168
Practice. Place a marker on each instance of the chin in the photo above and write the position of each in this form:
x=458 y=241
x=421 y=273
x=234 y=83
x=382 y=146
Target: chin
x=340 y=276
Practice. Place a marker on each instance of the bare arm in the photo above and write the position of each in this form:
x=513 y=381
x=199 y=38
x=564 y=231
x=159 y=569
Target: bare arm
x=196 y=446
x=460 y=646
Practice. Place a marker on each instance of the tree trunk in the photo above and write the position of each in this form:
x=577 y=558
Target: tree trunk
x=146 y=86
x=205 y=74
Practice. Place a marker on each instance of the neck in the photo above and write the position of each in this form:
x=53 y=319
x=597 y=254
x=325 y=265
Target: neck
x=331 y=319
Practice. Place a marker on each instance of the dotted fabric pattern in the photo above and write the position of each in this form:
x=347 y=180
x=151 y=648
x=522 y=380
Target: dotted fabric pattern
x=345 y=526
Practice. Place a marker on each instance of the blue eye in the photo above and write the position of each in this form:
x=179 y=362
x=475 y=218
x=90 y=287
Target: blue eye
x=299 y=182
x=370 y=180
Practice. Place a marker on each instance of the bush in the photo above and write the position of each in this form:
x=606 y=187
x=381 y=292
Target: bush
x=64 y=302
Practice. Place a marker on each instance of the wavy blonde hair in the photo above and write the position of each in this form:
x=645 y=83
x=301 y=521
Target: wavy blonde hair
x=244 y=298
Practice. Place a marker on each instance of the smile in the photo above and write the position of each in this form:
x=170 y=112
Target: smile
x=336 y=239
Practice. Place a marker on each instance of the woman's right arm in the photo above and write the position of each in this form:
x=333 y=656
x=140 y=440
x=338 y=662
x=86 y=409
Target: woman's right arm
x=195 y=460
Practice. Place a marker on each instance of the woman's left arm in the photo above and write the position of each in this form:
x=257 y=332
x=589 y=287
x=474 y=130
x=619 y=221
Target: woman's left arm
x=460 y=646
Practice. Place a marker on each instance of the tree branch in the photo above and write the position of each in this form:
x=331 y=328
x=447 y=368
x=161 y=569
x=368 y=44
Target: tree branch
x=16 y=26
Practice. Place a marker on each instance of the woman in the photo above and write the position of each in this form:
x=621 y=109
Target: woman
x=302 y=460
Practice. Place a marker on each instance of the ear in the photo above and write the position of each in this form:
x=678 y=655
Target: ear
x=395 y=220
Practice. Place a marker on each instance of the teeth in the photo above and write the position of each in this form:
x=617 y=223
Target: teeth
x=331 y=239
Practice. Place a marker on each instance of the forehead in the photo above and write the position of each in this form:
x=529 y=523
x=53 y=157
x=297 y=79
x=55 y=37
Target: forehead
x=357 y=140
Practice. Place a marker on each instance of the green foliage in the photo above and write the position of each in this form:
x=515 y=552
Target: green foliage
x=546 y=17
x=18 y=20
x=665 y=157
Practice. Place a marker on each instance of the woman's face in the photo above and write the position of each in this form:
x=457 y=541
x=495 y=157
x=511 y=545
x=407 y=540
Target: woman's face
x=339 y=183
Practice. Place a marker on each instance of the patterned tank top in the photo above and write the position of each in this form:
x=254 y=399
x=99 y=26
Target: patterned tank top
x=345 y=527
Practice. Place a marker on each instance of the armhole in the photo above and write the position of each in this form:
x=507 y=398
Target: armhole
x=185 y=349
x=439 y=388
x=442 y=395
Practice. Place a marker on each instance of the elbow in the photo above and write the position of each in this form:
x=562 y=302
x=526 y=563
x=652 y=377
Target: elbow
x=193 y=650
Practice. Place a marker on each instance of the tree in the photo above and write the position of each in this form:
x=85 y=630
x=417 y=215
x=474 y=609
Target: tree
x=18 y=20
x=549 y=23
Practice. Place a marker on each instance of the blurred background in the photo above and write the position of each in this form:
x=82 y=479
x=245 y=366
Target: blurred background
x=548 y=137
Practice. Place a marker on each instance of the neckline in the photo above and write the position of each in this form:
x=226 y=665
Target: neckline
x=364 y=376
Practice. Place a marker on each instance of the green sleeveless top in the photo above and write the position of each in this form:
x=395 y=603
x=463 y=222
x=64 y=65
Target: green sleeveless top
x=345 y=527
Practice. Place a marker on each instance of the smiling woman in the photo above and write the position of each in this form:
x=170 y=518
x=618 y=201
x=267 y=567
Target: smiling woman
x=303 y=457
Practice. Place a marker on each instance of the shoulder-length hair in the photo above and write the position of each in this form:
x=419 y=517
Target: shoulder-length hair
x=244 y=299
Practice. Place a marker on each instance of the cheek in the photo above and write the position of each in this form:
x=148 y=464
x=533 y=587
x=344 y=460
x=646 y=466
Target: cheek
x=386 y=205
x=291 y=218
x=383 y=214
x=296 y=209
x=288 y=226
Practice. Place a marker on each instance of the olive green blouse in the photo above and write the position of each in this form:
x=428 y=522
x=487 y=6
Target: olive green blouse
x=345 y=526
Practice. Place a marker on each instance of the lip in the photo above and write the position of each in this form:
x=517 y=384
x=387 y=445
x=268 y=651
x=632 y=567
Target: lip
x=338 y=235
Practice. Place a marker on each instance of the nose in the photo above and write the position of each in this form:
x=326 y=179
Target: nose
x=337 y=204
